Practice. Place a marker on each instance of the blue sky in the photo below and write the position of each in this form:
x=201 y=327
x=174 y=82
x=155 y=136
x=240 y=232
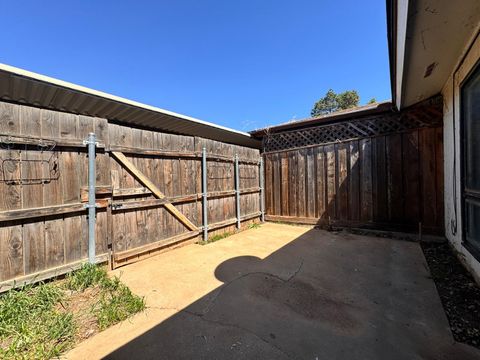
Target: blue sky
x=243 y=64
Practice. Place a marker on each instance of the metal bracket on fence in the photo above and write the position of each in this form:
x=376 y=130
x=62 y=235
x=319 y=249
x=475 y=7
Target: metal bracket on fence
x=237 y=190
x=88 y=141
x=204 y=194
x=91 y=206
x=88 y=206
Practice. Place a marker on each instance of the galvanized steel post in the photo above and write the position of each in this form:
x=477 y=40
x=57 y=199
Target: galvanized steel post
x=262 y=192
x=237 y=190
x=91 y=142
x=204 y=194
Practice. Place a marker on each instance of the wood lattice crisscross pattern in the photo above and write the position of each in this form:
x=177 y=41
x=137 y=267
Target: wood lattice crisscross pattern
x=383 y=124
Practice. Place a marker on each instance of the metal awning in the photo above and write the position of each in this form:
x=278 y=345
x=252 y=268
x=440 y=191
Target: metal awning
x=28 y=88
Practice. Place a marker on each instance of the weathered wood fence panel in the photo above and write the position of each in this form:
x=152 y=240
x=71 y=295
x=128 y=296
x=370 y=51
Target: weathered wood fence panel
x=34 y=176
x=392 y=182
x=43 y=189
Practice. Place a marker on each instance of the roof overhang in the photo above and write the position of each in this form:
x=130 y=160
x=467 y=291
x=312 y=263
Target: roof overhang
x=28 y=88
x=426 y=40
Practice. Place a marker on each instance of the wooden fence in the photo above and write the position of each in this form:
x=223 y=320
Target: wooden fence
x=391 y=181
x=43 y=190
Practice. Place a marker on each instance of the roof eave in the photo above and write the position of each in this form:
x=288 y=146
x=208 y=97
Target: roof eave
x=397 y=19
x=235 y=136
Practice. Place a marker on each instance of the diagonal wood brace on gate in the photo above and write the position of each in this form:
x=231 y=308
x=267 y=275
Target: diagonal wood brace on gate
x=154 y=189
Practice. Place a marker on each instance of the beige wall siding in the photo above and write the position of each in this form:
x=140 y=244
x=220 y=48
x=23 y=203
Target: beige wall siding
x=452 y=160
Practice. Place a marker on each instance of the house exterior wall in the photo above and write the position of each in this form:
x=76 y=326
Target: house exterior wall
x=452 y=159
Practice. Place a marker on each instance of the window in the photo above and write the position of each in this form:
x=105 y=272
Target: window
x=470 y=133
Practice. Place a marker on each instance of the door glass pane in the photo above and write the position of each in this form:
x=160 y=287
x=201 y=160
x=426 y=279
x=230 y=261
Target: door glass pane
x=471 y=131
x=472 y=226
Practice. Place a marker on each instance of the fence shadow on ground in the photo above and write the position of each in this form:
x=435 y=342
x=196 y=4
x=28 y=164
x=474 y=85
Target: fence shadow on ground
x=324 y=295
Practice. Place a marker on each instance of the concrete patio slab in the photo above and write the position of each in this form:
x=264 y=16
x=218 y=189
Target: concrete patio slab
x=283 y=292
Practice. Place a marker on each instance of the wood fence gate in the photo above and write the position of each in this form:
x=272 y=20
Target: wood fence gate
x=148 y=190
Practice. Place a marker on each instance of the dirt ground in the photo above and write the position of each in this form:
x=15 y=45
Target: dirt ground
x=458 y=291
x=283 y=292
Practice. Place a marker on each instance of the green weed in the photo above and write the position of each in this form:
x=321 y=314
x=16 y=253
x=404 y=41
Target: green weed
x=216 y=238
x=87 y=276
x=116 y=304
x=36 y=324
x=32 y=326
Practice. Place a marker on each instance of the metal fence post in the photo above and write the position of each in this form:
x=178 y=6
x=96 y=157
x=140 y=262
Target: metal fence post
x=204 y=194
x=262 y=192
x=237 y=190
x=91 y=143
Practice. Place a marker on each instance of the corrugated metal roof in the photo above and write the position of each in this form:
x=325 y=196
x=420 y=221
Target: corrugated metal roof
x=356 y=112
x=29 y=88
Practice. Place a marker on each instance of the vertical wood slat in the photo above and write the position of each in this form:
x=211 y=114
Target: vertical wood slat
x=379 y=176
x=439 y=177
x=342 y=181
x=71 y=172
x=353 y=182
x=292 y=184
x=54 y=227
x=11 y=242
x=301 y=194
x=411 y=182
x=391 y=182
x=330 y=182
x=426 y=142
x=366 y=195
x=33 y=231
x=29 y=246
x=310 y=183
x=395 y=178
x=284 y=184
x=277 y=184
x=320 y=177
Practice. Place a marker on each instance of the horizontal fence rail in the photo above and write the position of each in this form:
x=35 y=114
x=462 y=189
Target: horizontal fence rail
x=148 y=191
x=389 y=179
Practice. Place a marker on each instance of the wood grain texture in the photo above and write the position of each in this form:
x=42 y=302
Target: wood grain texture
x=153 y=188
x=390 y=182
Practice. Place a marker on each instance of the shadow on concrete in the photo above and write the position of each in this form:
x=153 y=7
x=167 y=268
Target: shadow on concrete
x=322 y=296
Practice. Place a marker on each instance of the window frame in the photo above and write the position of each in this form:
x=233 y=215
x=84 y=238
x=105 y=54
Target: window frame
x=466 y=196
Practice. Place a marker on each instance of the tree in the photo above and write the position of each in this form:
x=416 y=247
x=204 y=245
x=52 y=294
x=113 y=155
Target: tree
x=325 y=105
x=348 y=99
x=333 y=102
x=372 y=101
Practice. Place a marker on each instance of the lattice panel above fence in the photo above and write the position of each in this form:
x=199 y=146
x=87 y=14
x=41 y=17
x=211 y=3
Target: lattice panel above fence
x=425 y=115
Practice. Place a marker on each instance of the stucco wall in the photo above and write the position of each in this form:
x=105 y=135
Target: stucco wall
x=452 y=160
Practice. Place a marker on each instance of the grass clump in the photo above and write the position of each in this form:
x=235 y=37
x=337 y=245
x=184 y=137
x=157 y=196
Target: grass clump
x=45 y=320
x=216 y=238
x=32 y=326
x=87 y=276
x=116 y=301
x=116 y=304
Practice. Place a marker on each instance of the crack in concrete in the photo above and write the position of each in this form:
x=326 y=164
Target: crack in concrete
x=235 y=326
x=203 y=314
x=226 y=285
x=296 y=271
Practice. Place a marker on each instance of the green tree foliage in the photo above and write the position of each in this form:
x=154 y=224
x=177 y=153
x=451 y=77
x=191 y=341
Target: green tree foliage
x=348 y=99
x=333 y=102
x=372 y=101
